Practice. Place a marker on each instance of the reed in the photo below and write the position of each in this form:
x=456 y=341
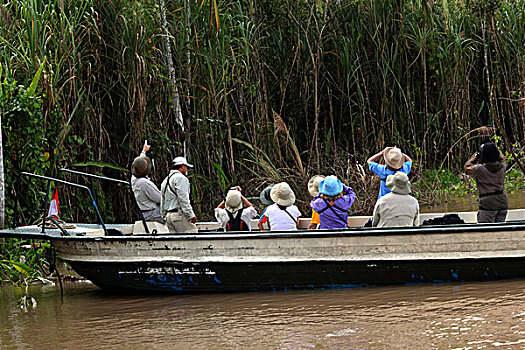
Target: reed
x=267 y=90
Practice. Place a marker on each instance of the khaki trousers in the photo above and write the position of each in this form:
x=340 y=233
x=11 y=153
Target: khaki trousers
x=178 y=222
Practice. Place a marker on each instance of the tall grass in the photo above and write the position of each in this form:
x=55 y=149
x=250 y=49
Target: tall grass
x=269 y=90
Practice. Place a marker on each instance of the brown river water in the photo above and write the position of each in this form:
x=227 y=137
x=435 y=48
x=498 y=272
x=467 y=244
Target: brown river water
x=483 y=315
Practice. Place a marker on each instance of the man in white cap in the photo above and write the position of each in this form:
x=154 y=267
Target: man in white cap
x=397 y=208
x=175 y=203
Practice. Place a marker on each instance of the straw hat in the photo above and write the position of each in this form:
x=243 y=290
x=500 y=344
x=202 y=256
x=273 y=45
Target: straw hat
x=331 y=186
x=233 y=201
x=398 y=183
x=313 y=184
x=141 y=166
x=282 y=194
x=265 y=195
x=394 y=158
x=181 y=161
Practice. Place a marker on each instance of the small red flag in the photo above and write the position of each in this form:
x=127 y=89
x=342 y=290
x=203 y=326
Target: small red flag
x=53 y=205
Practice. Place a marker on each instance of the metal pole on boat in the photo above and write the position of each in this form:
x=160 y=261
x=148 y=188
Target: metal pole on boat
x=74 y=185
x=141 y=216
x=45 y=207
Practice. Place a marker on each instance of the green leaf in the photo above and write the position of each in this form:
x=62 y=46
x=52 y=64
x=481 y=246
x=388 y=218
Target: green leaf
x=100 y=165
x=36 y=79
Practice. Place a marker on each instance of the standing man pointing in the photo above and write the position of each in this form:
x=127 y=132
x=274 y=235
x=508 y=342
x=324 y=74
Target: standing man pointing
x=175 y=203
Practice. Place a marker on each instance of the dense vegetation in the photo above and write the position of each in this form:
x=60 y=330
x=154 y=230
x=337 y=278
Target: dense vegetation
x=254 y=91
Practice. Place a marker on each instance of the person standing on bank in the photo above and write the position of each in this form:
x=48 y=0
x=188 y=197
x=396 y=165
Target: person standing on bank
x=395 y=161
x=488 y=167
x=235 y=212
x=175 y=203
x=397 y=208
x=146 y=192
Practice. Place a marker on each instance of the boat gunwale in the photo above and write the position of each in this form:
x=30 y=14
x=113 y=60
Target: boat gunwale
x=351 y=231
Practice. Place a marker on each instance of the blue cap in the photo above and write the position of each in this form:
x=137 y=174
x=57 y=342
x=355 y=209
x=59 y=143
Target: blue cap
x=331 y=186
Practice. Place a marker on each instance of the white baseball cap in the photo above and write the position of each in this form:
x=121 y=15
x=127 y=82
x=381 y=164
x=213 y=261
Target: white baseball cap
x=181 y=161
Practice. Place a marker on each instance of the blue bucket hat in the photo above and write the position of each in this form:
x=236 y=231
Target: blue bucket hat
x=331 y=186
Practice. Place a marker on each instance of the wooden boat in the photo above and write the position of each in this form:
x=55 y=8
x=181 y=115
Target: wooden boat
x=126 y=258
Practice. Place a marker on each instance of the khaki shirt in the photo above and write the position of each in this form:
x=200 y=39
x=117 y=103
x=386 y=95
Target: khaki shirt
x=395 y=209
x=176 y=195
x=147 y=194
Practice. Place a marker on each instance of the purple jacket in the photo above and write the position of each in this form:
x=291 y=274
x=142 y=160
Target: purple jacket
x=335 y=216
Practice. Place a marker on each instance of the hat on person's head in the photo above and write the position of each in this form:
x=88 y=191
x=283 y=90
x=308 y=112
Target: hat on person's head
x=398 y=183
x=181 y=161
x=265 y=195
x=233 y=201
x=141 y=166
x=282 y=194
x=394 y=158
x=313 y=184
x=489 y=153
x=331 y=186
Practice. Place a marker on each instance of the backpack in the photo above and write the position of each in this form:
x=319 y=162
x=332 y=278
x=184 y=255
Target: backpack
x=236 y=223
x=447 y=219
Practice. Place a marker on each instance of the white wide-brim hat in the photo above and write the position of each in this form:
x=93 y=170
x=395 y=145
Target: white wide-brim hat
x=394 y=158
x=282 y=194
x=313 y=184
x=398 y=183
x=233 y=201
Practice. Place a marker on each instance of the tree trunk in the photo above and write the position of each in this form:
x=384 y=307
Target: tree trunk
x=176 y=105
x=2 y=186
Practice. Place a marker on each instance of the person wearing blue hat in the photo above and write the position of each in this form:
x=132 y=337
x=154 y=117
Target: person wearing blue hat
x=488 y=168
x=332 y=203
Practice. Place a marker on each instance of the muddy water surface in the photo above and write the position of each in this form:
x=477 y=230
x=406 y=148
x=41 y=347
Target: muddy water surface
x=450 y=316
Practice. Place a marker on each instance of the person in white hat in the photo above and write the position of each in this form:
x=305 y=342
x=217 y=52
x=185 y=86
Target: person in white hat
x=395 y=161
x=313 y=189
x=283 y=214
x=397 y=208
x=235 y=212
x=175 y=204
x=146 y=192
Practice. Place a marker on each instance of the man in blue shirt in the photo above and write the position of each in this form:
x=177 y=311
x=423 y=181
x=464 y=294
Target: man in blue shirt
x=395 y=161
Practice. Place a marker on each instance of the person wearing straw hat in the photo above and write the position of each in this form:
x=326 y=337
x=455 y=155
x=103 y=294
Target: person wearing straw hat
x=395 y=161
x=488 y=167
x=313 y=189
x=332 y=203
x=397 y=208
x=146 y=192
x=175 y=204
x=235 y=212
x=266 y=200
x=283 y=214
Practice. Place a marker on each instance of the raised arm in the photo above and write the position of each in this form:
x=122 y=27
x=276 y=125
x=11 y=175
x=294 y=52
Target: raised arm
x=377 y=156
x=474 y=160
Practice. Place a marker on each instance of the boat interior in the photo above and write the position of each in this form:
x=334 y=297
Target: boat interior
x=142 y=227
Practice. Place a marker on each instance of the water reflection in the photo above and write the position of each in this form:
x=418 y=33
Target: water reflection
x=470 y=203
x=474 y=315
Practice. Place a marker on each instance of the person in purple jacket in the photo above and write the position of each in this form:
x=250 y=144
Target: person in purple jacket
x=332 y=203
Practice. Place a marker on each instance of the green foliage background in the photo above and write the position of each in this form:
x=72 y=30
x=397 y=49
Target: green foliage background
x=268 y=90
